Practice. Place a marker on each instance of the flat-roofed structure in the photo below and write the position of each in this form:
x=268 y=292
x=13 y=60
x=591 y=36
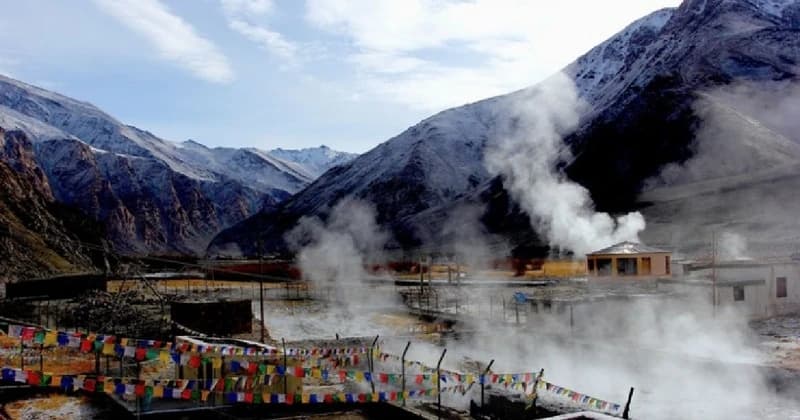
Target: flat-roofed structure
x=629 y=259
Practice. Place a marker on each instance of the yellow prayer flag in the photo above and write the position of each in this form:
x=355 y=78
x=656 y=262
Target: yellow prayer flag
x=158 y=391
x=359 y=376
x=265 y=397
x=204 y=395
x=108 y=387
x=51 y=338
x=108 y=349
x=55 y=381
x=123 y=342
x=316 y=373
x=305 y=398
x=270 y=369
x=163 y=356
x=216 y=362
x=376 y=397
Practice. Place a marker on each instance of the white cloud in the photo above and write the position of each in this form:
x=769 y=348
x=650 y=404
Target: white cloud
x=239 y=14
x=270 y=40
x=432 y=54
x=174 y=39
x=253 y=7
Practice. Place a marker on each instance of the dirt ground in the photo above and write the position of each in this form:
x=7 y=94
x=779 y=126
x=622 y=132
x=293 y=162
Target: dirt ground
x=781 y=340
x=55 y=407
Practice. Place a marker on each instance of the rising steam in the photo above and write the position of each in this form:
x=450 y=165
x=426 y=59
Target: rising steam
x=527 y=154
x=333 y=255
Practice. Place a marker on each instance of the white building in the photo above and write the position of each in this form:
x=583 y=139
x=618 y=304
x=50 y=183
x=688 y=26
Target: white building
x=758 y=289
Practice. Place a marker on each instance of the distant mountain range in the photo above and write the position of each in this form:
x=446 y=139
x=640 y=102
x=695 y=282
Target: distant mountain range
x=151 y=196
x=650 y=90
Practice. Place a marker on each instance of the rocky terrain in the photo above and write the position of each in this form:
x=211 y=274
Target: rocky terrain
x=38 y=236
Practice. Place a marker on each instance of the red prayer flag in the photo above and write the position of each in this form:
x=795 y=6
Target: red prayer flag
x=383 y=378
x=33 y=378
x=418 y=379
x=89 y=385
x=139 y=389
x=289 y=399
x=194 y=361
x=248 y=397
x=27 y=334
x=186 y=394
x=299 y=372
x=141 y=354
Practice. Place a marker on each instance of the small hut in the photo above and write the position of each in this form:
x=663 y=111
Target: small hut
x=629 y=259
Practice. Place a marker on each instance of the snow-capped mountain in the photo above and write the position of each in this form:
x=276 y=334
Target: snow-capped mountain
x=152 y=195
x=640 y=85
x=315 y=160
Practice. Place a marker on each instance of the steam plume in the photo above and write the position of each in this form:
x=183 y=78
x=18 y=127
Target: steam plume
x=527 y=154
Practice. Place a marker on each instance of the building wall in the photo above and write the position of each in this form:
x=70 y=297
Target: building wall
x=790 y=303
x=760 y=300
x=659 y=265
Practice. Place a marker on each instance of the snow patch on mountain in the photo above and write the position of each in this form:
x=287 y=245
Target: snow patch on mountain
x=315 y=160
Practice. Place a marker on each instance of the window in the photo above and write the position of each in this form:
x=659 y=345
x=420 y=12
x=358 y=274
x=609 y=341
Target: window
x=668 y=267
x=738 y=293
x=590 y=263
x=604 y=266
x=626 y=266
x=780 y=287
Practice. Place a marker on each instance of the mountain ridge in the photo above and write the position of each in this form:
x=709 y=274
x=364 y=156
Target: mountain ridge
x=152 y=195
x=640 y=87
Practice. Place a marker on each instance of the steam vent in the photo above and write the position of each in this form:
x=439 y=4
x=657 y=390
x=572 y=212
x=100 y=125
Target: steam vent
x=628 y=259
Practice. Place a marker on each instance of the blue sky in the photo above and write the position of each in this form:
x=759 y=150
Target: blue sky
x=269 y=73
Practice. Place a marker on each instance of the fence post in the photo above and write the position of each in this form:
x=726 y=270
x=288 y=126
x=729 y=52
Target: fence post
x=482 y=380
x=571 y=319
x=371 y=362
x=285 y=369
x=536 y=388
x=439 y=385
x=626 y=413
x=403 y=372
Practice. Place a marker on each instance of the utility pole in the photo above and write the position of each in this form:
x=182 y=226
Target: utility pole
x=261 y=286
x=714 y=273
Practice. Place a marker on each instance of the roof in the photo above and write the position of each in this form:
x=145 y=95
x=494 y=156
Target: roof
x=627 y=247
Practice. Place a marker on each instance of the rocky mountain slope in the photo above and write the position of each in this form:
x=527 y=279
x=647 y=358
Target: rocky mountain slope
x=151 y=195
x=38 y=237
x=642 y=88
